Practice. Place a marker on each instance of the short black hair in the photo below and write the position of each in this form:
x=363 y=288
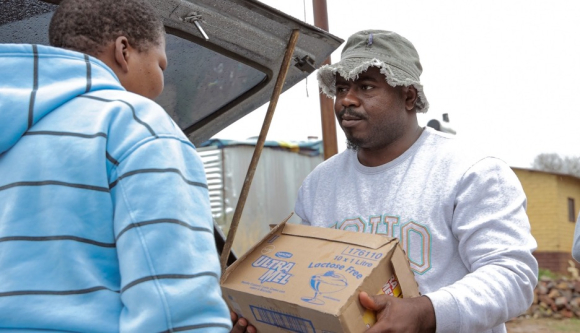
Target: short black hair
x=88 y=25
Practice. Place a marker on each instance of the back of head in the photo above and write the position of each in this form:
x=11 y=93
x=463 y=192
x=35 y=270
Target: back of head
x=88 y=25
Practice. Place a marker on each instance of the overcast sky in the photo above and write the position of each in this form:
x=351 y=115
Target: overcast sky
x=506 y=71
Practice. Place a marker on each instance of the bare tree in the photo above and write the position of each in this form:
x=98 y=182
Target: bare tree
x=556 y=163
x=549 y=162
x=572 y=165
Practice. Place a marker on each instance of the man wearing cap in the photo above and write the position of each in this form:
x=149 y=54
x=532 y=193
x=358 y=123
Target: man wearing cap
x=459 y=214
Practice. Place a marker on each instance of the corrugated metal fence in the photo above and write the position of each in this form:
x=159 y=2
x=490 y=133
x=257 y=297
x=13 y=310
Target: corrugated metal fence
x=272 y=195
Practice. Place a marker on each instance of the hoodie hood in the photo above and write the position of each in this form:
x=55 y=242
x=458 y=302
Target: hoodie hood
x=37 y=79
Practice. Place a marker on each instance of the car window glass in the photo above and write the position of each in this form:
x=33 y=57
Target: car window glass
x=200 y=81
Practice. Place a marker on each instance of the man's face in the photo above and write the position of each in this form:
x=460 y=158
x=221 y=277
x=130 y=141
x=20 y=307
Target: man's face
x=145 y=76
x=371 y=113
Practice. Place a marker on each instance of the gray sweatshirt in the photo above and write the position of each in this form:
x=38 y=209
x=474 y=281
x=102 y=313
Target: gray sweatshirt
x=459 y=215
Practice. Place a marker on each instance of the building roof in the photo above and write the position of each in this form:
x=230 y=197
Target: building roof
x=547 y=172
x=309 y=148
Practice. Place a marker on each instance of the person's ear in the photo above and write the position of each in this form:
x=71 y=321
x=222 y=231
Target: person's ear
x=411 y=95
x=122 y=53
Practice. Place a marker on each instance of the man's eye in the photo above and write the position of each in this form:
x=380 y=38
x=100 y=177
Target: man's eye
x=340 y=89
x=366 y=87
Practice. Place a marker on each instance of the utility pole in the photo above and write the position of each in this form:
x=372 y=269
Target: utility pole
x=326 y=104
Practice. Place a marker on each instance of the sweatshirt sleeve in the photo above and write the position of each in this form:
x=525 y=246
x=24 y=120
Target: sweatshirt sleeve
x=163 y=226
x=496 y=246
x=576 y=244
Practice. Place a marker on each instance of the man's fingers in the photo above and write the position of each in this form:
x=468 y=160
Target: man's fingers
x=240 y=326
x=251 y=329
x=376 y=303
x=367 y=301
x=234 y=316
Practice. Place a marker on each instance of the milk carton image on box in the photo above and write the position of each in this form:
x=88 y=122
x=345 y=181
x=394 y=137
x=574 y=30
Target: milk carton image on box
x=307 y=279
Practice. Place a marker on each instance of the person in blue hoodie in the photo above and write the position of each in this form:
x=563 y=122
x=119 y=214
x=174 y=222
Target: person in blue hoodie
x=105 y=221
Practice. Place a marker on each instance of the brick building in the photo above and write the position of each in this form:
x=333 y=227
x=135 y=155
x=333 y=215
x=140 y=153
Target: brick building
x=553 y=204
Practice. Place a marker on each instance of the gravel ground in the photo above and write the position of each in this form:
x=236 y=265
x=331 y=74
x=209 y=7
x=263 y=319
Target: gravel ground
x=543 y=325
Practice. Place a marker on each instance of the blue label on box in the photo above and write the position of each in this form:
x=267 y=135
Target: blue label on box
x=327 y=283
x=282 y=320
x=278 y=271
x=285 y=255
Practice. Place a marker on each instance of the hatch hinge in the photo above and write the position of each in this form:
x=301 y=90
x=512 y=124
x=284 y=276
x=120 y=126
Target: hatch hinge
x=195 y=18
x=305 y=64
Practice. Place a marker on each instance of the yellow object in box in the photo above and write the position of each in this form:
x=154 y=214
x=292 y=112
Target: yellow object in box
x=391 y=288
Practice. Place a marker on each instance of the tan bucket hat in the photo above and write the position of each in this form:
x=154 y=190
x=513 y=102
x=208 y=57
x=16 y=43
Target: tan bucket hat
x=393 y=54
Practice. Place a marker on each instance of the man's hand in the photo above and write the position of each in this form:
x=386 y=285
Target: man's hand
x=241 y=326
x=400 y=314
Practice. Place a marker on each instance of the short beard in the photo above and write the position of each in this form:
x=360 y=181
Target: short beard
x=352 y=146
x=391 y=133
x=349 y=143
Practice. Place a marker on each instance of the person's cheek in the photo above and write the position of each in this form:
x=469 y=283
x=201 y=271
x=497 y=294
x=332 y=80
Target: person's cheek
x=160 y=81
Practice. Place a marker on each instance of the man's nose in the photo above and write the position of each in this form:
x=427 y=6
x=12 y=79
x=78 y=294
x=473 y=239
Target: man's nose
x=350 y=99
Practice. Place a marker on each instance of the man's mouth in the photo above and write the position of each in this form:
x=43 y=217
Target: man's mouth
x=349 y=122
x=348 y=118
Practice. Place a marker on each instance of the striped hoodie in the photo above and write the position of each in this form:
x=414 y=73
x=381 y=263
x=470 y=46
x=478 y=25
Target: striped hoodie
x=105 y=223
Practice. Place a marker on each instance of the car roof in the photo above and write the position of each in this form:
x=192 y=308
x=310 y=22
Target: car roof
x=210 y=83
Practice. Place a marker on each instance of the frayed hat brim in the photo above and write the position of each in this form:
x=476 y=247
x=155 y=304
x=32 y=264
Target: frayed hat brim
x=351 y=68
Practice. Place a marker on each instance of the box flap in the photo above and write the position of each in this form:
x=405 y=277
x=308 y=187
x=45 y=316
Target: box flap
x=371 y=241
x=404 y=273
x=273 y=230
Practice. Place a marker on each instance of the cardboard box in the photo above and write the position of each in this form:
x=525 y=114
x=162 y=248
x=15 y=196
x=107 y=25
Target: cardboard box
x=307 y=279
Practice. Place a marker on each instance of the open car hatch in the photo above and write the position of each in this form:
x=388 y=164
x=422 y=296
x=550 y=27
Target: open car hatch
x=224 y=55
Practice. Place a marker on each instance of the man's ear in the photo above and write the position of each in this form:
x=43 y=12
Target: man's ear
x=410 y=97
x=122 y=53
